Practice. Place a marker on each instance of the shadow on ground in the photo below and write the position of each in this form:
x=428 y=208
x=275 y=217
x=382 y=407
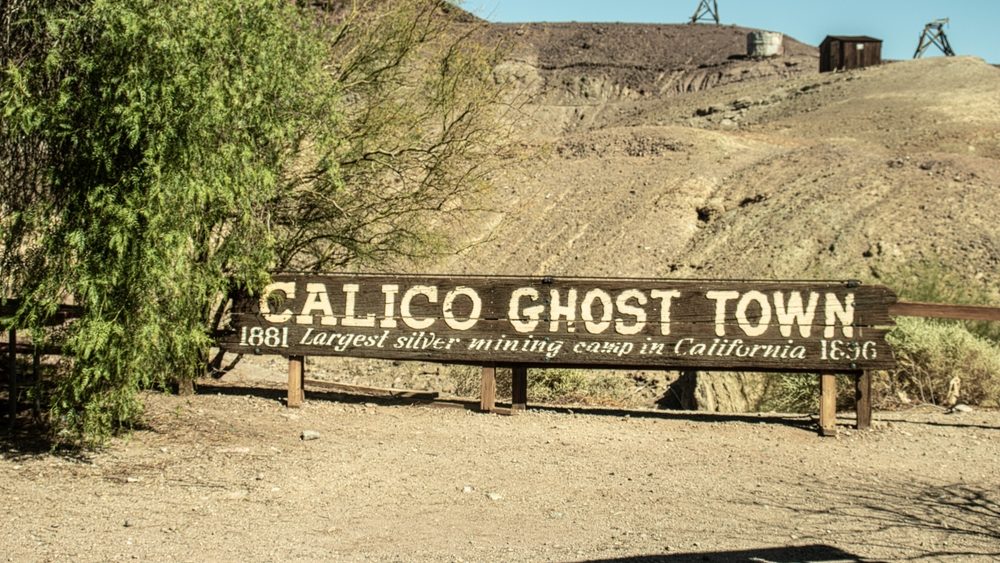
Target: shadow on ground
x=955 y=520
x=789 y=554
x=279 y=394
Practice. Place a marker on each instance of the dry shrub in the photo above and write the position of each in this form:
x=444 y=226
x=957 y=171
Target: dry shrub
x=930 y=353
x=552 y=386
x=573 y=386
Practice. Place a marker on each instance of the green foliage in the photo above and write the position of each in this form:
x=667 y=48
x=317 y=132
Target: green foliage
x=164 y=128
x=792 y=393
x=424 y=123
x=157 y=155
x=930 y=353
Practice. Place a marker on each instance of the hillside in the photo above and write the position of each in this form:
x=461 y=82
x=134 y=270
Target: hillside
x=760 y=169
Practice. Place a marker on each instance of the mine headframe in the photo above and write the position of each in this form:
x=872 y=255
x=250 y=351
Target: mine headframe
x=707 y=10
x=934 y=35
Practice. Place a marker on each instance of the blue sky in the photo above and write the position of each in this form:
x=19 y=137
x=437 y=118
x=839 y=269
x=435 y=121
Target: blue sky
x=974 y=27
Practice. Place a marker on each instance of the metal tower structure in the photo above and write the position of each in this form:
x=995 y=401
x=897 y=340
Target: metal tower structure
x=934 y=35
x=706 y=10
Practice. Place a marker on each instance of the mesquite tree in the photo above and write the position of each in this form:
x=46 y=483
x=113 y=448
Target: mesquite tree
x=156 y=156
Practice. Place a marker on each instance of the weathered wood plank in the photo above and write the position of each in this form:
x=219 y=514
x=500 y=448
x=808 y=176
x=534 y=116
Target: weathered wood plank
x=863 y=399
x=659 y=324
x=490 y=342
x=373 y=391
x=828 y=404
x=488 y=389
x=941 y=311
x=376 y=295
x=519 y=388
x=296 y=380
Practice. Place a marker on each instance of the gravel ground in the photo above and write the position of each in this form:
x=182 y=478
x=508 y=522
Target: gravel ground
x=226 y=475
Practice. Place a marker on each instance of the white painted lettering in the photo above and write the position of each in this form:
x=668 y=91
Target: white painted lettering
x=350 y=318
x=741 y=313
x=316 y=300
x=665 y=298
x=428 y=291
x=835 y=311
x=288 y=288
x=622 y=326
x=795 y=312
x=449 y=304
x=533 y=313
x=389 y=318
x=720 y=298
x=559 y=311
x=587 y=311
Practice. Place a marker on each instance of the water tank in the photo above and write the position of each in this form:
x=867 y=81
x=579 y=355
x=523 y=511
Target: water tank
x=765 y=44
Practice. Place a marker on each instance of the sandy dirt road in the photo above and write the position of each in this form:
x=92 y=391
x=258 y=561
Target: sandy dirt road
x=224 y=476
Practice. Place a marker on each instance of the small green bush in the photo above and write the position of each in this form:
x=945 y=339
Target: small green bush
x=799 y=393
x=930 y=353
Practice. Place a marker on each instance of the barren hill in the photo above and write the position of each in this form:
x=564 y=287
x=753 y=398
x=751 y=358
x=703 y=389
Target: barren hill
x=663 y=151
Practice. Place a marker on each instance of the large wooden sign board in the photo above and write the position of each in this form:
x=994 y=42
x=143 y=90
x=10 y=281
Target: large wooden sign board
x=644 y=323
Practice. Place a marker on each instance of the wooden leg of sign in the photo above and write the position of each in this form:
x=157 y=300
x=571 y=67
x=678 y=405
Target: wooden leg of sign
x=519 y=388
x=863 y=399
x=488 y=389
x=828 y=404
x=296 y=377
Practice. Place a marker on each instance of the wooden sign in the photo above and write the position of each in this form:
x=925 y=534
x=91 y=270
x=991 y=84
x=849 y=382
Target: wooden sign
x=767 y=325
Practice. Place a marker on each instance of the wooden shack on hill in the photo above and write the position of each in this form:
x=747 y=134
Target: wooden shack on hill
x=843 y=52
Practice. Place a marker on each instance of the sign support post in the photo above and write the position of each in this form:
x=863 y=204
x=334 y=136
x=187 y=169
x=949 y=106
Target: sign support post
x=863 y=399
x=488 y=389
x=296 y=381
x=519 y=388
x=828 y=404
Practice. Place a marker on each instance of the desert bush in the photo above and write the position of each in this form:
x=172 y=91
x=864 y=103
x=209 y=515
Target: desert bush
x=557 y=386
x=561 y=386
x=930 y=353
x=799 y=393
x=788 y=392
x=466 y=381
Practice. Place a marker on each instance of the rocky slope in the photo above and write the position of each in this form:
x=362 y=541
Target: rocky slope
x=784 y=173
